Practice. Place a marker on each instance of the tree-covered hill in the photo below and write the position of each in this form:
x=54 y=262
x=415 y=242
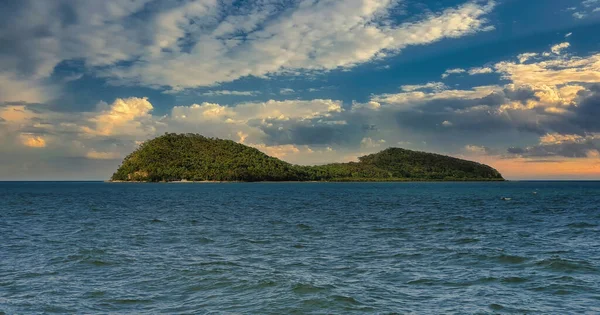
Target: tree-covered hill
x=176 y=157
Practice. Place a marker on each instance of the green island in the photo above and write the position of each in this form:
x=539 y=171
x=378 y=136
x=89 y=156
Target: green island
x=195 y=158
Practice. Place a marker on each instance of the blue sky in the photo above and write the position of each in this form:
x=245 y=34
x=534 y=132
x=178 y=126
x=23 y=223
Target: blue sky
x=511 y=83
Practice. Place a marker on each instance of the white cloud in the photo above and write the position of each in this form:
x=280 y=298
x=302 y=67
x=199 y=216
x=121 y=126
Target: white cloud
x=244 y=112
x=482 y=70
x=286 y=91
x=435 y=86
x=475 y=149
x=228 y=92
x=412 y=99
x=526 y=56
x=14 y=89
x=369 y=143
x=568 y=35
x=96 y=155
x=448 y=72
x=552 y=72
x=130 y=116
x=188 y=44
x=558 y=48
x=33 y=141
x=447 y=123
x=556 y=138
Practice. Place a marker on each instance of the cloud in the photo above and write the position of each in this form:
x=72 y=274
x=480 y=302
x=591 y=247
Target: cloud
x=565 y=146
x=187 y=44
x=568 y=35
x=546 y=110
x=33 y=141
x=286 y=91
x=558 y=48
x=556 y=138
x=552 y=72
x=95 y=155
x=526 y=56
x=245 y=112
x=477 y=150
x=482 y=70
x=130 y=116
x=414 y=98
x=369 y=143
x=228 y=92
x=18 y=89
x=435 y=86
x=448 y=72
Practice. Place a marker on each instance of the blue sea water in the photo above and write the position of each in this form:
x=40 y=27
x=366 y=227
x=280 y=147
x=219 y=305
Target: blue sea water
x=300 y=248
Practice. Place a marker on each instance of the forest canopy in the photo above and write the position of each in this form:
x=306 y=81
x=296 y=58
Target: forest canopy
x=193 y=157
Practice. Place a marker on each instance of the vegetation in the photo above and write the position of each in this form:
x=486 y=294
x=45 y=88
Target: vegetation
x=192 y=157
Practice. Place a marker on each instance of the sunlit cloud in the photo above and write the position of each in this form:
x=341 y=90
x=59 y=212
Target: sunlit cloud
x=33 y=141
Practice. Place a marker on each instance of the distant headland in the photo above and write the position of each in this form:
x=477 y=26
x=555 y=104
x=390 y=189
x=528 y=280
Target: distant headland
x=195 y=158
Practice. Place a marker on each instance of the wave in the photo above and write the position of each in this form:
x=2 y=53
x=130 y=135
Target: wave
x=466 y=240
x=565 y=265
x=511 y=259
x=345 y=299
x=581 y=225
x=302 y=226
x=389 y=229
x=307 y=288
x=205 y=240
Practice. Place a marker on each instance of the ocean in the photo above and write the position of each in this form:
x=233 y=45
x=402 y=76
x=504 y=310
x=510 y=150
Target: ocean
x=300 y=248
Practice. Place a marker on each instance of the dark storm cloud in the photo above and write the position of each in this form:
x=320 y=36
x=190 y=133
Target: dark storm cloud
x=516 y=150
x=581 y=118
x=468 y=119
x=588 y=110
x=313 y=133
x=565 y=149
x=521 y=94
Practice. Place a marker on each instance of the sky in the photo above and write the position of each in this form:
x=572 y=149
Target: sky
x=511 y=83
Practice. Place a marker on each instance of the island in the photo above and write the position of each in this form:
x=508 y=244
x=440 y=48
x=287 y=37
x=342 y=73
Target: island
x=195 y=158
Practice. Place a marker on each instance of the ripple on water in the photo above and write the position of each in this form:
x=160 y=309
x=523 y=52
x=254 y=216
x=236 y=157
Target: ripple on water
x=345 y=299
x=266 y=284
x=303 y=226
x=307 y=288
x=254 y=241
x=496 y=307
x=128 y=301
x=389 y=229
x=410 y=248
x=205 y=240
x=559 y=264
x=314 y=303
x=581 y=225
x=423 y=281
x=562 y=289
x=514 y=280
x=218 y=263
x=95 y=294
x=510 y=259
x=466 y=240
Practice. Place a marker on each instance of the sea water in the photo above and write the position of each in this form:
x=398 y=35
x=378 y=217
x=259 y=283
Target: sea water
x=300 y=248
